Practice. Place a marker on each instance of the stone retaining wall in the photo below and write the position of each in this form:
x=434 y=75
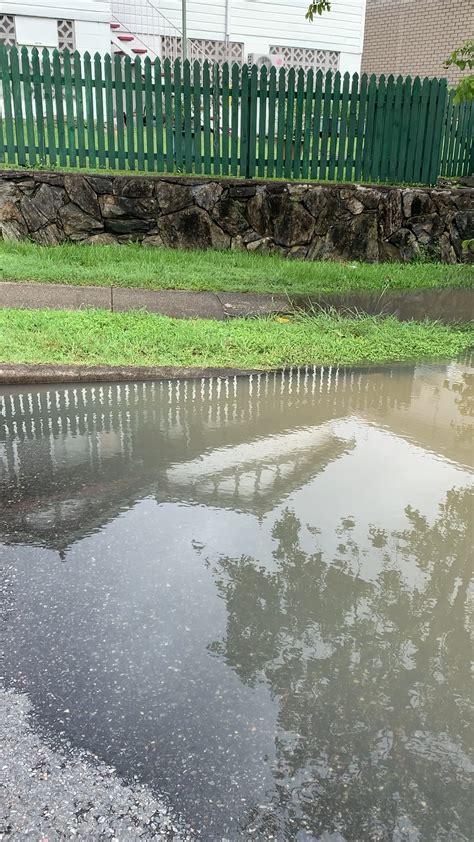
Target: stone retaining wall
x=312 y=221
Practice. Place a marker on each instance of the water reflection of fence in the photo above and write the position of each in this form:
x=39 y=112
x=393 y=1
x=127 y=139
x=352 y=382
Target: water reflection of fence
x=72 y=457
x=77 y=410
x=172 y=407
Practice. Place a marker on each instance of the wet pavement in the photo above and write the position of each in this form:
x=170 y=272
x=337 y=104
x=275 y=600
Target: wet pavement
x=64 y=794
x=251 y=596
x=446 y=305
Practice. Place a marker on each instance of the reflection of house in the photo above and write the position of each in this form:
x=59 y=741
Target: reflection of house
x=72 y=458
x=104 y=447
x=256 y=474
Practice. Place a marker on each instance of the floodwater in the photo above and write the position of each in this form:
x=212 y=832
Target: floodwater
x=252 y=595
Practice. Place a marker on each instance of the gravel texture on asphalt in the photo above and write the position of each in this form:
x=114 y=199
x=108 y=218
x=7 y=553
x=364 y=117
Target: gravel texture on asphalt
x=49 y=794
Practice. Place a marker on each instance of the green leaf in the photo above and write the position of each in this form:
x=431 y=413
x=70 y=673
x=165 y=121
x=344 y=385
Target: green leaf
x=317 y=8
x=464 y=90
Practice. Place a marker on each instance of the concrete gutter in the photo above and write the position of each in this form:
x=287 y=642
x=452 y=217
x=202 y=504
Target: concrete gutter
x=446 y=305
x=16 y=374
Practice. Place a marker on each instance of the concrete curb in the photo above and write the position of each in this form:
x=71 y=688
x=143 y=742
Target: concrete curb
x=15 y=374
x=446 y=305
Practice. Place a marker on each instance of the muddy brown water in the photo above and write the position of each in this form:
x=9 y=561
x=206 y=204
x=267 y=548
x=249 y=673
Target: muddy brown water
x=252 y=594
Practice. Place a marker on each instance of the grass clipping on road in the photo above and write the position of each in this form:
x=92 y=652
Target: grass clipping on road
x=96 y=337
x=226 y=271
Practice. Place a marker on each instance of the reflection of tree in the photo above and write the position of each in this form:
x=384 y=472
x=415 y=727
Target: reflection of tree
x=464 y=400
x=464 y=393
x=370 y=677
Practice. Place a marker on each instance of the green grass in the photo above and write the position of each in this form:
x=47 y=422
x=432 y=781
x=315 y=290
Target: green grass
x=156 y=268
x=178 y=173
x=97 y=337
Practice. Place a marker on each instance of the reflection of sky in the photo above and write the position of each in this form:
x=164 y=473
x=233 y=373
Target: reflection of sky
x=373 y=484
x=388 y=474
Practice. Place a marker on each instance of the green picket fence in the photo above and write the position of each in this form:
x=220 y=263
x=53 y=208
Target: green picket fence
x=76 y=111
x=457 y=153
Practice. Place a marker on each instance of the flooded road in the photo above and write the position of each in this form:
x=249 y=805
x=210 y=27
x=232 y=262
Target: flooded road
x=252 y=595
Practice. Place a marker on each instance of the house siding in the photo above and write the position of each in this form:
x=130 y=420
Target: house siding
x=260 y=23
x=265 y=22
x=91 y=22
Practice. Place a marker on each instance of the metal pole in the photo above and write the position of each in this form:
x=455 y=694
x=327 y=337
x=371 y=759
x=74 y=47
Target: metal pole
x=227 y=30
x=184 y=35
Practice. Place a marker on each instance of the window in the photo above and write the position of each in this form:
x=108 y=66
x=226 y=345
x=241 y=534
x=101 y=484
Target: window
x=202 y=49
x=306 y=58
x=7 y=30
x=66 y=35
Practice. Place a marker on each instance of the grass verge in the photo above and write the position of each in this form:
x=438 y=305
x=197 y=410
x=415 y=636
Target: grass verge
x=93 y=337
x=226 y=271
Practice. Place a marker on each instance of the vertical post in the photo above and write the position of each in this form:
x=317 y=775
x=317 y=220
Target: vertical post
x=245 y=123
x=184 y=35
x=437 y=133
x=471 y=157
x=17 y=106
x=252 y=116
x=216 y=138
x=7 y=105
x=467 y=130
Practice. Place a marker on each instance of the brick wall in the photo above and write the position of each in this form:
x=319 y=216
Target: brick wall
x=415 y=36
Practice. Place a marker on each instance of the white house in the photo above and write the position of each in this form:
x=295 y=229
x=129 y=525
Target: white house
x=66 y=24
x=262 y=31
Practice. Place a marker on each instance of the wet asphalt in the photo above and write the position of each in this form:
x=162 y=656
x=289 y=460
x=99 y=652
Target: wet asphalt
x=50 y=793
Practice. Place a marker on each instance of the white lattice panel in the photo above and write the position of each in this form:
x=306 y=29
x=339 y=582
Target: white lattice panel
x=203 y=49
x=7 y=30
x=305 y=58
x=66 y=35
